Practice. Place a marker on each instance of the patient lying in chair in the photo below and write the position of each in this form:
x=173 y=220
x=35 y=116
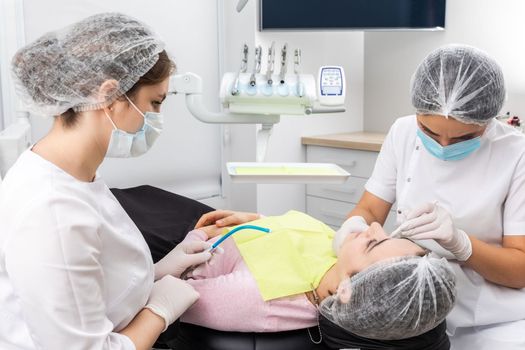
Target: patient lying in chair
x=378 y=287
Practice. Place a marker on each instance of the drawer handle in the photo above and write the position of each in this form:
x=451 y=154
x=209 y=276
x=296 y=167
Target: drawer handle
x=333 y=214
x=344 y=165
x=344 y=191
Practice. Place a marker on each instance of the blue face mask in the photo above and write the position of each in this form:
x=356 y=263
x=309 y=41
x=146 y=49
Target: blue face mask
x=456 y=151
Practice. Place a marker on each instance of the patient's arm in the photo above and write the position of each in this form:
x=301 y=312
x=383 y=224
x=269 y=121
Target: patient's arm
x=230 y=299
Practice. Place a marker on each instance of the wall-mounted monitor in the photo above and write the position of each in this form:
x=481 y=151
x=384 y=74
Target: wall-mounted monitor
x=352 y=14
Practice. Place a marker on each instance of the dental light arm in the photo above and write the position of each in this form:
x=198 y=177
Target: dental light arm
x=254 y=98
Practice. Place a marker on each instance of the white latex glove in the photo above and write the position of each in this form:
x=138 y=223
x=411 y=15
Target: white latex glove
x=431 y=221
x=181 y=257
x=352 y=224
x=170 y=298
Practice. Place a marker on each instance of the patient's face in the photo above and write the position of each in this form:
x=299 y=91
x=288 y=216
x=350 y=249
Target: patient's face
x=360 y=250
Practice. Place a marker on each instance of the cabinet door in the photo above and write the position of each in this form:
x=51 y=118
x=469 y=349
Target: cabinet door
x=351 y=191
x=357 y=163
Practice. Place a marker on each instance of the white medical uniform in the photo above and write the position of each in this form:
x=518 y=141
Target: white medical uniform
x=485 y=194
x=74 y=268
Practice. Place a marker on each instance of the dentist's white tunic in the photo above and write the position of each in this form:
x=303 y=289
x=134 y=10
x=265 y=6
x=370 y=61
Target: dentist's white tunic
x=485 y=194
x=74 y=269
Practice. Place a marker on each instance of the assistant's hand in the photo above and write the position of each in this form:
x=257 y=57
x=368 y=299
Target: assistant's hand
x=431 y=221
x=223 y=218
x=184 y=255
x=352 y=224
x=170 y=298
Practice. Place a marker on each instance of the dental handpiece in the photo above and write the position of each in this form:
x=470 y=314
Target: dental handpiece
x=257 y=65
x=397 y=232
x=271 y=63
x=282 y=73
x=243 y=69
x=297 y=63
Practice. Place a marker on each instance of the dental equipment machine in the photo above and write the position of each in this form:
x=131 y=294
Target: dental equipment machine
x=261 y=98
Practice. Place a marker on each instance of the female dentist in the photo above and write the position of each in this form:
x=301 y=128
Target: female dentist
x=458 y=176
x=75 y=272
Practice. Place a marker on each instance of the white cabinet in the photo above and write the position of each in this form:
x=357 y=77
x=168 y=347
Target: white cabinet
x=332 y=203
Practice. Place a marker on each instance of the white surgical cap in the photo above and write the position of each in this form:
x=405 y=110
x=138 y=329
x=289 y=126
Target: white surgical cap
x=64 y=69
x=459 y=81
x=394 y=299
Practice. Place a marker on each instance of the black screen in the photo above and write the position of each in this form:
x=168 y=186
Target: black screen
x=352 y=14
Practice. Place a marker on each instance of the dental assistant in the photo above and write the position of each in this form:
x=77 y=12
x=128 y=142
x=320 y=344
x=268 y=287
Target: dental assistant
x=458 y=177
x=75 y=272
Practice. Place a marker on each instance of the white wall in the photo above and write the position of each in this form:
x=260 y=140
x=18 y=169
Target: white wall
x=239 y=140
x=186 y=159
x=11 y=39
x=318 y=48
x=496 y=27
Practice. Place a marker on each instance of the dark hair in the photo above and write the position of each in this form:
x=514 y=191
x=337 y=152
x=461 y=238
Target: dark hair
x=161 y=70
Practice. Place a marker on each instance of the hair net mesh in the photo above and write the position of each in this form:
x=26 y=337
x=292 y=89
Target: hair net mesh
x=459 y=81
x=395 y=298
x=64 y=69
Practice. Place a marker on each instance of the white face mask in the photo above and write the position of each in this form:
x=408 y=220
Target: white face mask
x=123 y=144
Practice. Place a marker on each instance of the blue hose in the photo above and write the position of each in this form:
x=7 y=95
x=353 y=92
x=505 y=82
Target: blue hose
x=238 y=228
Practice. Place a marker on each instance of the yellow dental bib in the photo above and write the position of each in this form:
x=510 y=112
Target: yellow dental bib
x=291 y=258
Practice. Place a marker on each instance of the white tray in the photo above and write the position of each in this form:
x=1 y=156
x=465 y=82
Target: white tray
x=247 y=172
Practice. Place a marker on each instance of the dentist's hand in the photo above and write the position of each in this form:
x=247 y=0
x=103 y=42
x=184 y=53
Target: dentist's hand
x=352 y=224
x=431 y=221
x=224 y=218
x=170 y=298
x=184 y=255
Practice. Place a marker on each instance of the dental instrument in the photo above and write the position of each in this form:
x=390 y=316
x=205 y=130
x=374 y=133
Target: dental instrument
x=243 y=69
x=297 y=61
x=271 y=63
x=282 y=73
x=214 y=246
x=397 y=232
x=238 y=228
x=256 y=65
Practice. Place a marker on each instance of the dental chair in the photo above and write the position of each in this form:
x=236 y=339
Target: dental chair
x=191 y=337
x=164 y=219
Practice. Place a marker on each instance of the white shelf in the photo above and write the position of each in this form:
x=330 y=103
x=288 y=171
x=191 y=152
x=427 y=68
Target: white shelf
x=273 y=173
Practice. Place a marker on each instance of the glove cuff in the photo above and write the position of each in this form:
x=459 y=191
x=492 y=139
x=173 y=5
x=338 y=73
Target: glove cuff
x=159 y=313
x=461 y=247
